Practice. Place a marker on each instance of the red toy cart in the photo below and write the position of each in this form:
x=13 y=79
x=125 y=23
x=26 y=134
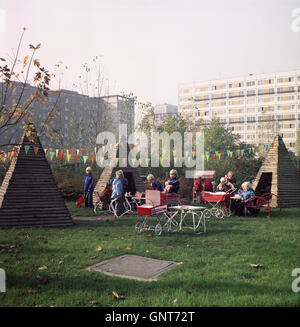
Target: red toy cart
x=217 y=203
x=155 y=204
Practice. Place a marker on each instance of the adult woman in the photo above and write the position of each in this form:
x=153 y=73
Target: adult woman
x=89 y=184
x=245 y=195
x=172 y=185
x=118 y=192
x=154 y=183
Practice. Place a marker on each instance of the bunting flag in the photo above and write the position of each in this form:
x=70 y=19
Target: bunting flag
x=89 y=154
x=35 y=149
x=27 y=147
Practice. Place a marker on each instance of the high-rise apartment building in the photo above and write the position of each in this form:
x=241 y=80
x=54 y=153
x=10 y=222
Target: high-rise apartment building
x=254 y=106
x=163 y=110
x=78 y=118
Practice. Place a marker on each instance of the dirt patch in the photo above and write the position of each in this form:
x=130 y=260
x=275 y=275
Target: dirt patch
x=93 y=219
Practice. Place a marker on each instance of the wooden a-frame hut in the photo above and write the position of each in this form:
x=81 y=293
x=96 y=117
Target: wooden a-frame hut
x=278 y=175
x=135 y=182
x=29 y=195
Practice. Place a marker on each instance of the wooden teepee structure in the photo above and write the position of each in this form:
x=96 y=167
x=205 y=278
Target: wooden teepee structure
x=29 y=195
x=135 y=182
x=278 y=175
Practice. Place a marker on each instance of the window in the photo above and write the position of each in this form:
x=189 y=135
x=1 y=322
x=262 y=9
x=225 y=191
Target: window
x=67 y=100
x=285 y=79
x=219 y=87
x=251 y=92
x=250 y=101
x=236 y=94
x=218 y=96
x=250 y=83
x=201 y=98
x=266 y=99
x=266 y=109
x=285 y=89
x=285 y=107
x=201 y=89
x=251 y=119
x=251 y=127
x=265 y=81
x=236 y=102
x=266 y=91
x=286 y=98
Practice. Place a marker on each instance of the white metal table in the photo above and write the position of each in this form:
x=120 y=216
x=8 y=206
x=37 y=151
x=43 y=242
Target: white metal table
x=197 y=216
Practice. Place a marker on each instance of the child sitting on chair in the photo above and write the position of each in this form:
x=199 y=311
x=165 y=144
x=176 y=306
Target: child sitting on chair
x=172 y=185
x=154 y=183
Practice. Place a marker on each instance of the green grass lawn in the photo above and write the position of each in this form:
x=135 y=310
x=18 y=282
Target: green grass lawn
x=215 y=269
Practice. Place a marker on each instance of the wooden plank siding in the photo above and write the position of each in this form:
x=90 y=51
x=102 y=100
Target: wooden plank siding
x=29 y=195
x=285 y=180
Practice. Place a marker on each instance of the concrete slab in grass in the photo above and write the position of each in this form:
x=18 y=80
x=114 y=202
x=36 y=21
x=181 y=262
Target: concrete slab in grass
x=133 y=267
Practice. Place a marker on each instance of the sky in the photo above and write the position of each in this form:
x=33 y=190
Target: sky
x=149 y=47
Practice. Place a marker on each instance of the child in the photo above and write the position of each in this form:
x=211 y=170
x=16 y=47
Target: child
x=172 y=185
x=105 y=196
x=154 y=183
x=198 y=188
x=208 y=186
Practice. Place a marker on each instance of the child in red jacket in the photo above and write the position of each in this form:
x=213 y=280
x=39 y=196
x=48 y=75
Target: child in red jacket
x=105 y=196
x=198 y=188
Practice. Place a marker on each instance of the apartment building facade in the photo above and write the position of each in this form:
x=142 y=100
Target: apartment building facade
x=254 y=106
x=75 y=117
x=163 y=110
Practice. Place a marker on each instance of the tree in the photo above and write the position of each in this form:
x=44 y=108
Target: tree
x=218 y=138
x=15 y=103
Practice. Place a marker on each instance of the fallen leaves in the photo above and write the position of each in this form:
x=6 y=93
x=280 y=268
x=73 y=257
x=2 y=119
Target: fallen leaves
x=179 y=263
x=94 y=302
x=32 y=291
x=43 y=268
x=255 y=267
x=99 y=248
x=118 y=297
x=126 y=249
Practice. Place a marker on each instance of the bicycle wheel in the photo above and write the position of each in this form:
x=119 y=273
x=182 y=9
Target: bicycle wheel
x=166 y=226
x=158 y=229
x=219 y=214
x=206 y=213
x=138 y=227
